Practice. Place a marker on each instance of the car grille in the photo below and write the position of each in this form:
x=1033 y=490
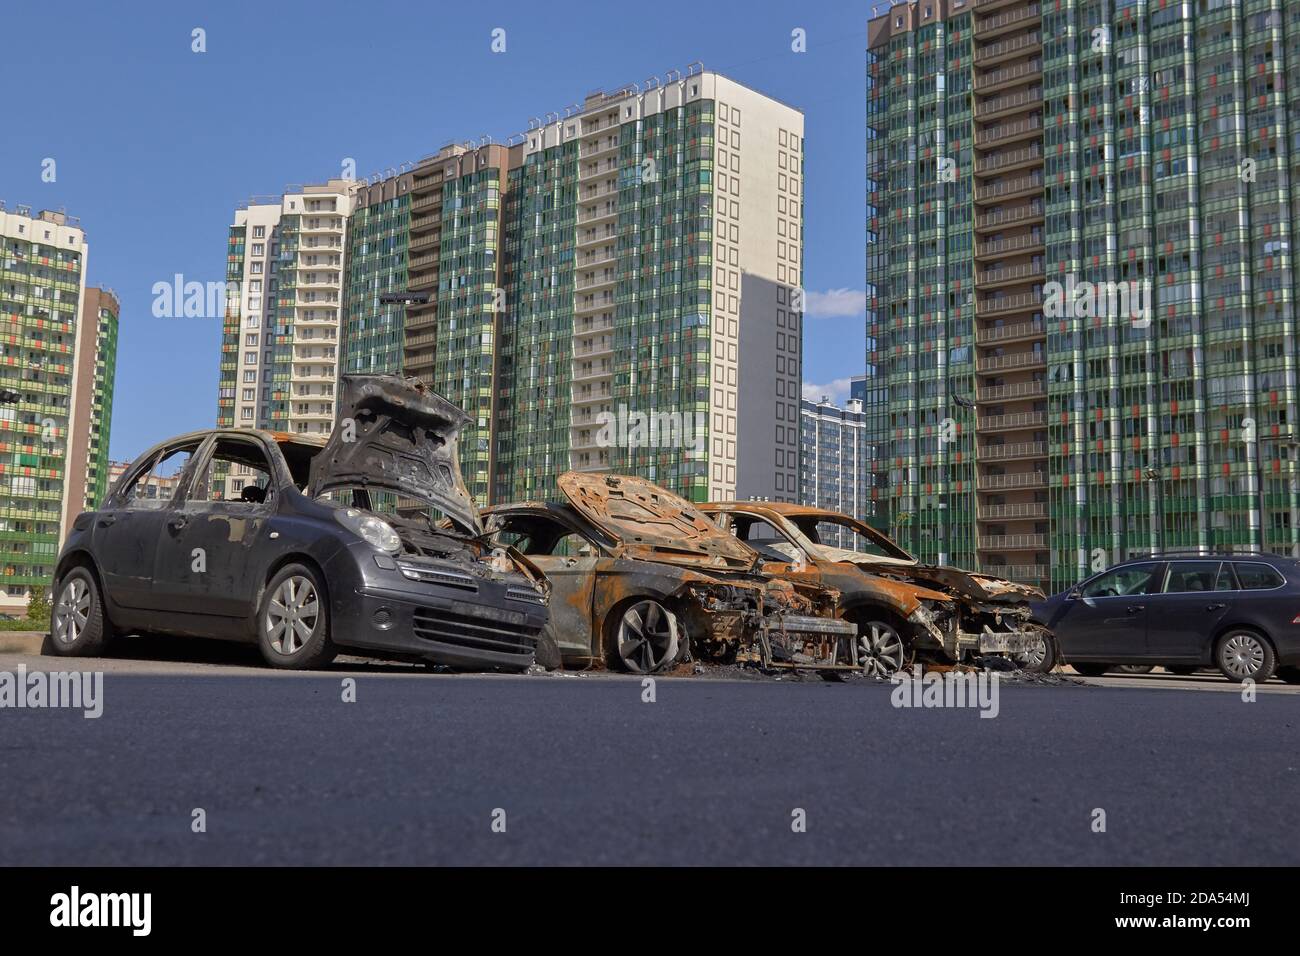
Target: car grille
x=524 y=594
x=477 y=633
x=431 y=576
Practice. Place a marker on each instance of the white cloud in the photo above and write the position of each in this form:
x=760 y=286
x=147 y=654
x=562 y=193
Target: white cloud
x=835 y=303
x=837 y=390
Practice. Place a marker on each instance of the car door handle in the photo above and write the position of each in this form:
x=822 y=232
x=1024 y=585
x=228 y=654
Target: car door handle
x=1135 y=608
x=1215 y=607
x=107 y=520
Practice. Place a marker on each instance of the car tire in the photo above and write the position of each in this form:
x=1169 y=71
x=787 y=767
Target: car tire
x=1041 y=660
x=547 y=654
x=1180 y=670
x=1243 y=655
x=1090 y=670
x=642 y=636
x=882 y=650
x=1289 y=674
x=78 y=625
x=1135 y=668
x=295 y=597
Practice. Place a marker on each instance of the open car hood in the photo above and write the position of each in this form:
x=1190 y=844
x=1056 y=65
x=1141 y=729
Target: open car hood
x=653 y=523
x=396 y=434
x=971 y=584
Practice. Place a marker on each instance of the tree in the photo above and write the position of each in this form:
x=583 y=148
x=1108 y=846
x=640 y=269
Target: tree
x=38 y=605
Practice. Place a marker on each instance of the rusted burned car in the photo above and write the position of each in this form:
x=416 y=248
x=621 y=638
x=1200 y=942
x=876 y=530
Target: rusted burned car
x=641 y=580
x=305 y=547
x=900 y=607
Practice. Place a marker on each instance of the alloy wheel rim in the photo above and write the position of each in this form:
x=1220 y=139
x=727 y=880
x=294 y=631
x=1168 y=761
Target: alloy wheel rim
x=647 y=637
x=1034 y=655
x=1243 y=655
x=72 y=612
x=880 y=651
x=291 y=615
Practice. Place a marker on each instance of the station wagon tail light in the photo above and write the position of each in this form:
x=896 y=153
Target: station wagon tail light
x=1296 y=619
x=376 y=532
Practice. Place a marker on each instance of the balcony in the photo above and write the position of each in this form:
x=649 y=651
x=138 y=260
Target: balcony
x=1021 y=449
x=997 y=393
x=1007 y=20
x=1003 y=49
x=1008 y=303
x=1029 y=212
x=994 y=79
x=1027 y=510
x=1018 y=421
x=1030 y=126
x=1001 y=247
x=1010 y=333
x=1026 y=479
x=1036 y=574
x=1012 y=542
x=1010 y=188
x=1006 y=275
x=1009 y=159
x=1006 y=363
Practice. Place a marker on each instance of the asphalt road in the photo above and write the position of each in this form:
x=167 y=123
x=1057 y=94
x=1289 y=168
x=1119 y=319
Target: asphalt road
x=586 y=772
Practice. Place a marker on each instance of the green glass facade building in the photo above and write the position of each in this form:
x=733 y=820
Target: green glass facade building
x=1134 y=177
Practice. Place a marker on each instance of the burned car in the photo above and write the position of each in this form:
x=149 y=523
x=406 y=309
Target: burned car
x=641 y=580
x=303 y=546
x=900 y=607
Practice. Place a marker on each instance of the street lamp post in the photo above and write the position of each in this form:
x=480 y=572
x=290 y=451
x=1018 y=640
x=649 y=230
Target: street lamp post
x=1155 y=478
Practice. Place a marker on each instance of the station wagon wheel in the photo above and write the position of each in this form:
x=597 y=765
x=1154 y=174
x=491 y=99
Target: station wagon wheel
x=1244 y=655
x=293 y=621
x=646 y=638
x=78 y=627
x=881 y=651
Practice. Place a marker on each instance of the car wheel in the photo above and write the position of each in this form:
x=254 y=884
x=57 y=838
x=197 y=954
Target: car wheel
x=1040 y=658
x=881 y=650
x=1289 y=674
x=78 y=625
x=1091 y=670
x=1244 y=655
x=293 y=621
x=548 y=651
x=1135 y=668
x=644 y=637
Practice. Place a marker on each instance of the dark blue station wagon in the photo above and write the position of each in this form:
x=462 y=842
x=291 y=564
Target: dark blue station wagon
x=1239 y=613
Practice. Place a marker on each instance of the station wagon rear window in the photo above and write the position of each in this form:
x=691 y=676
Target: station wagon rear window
x=1257 y=577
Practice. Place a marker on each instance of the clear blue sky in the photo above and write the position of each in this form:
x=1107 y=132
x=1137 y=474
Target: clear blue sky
x=155 y=144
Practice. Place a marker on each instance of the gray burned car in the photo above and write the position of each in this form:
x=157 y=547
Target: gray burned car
x=642 y=580
x=369 y=542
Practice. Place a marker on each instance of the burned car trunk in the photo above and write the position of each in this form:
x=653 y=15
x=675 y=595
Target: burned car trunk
x=642 y=580
x=937 y=612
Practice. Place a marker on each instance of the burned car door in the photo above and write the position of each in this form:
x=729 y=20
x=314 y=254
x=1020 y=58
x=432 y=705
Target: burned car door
x=208 y=556
x=125 y=537
x=570 y=562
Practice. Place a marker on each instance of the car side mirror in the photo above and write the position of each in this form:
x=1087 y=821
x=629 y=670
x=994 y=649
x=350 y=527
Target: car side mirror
x=1074 y=594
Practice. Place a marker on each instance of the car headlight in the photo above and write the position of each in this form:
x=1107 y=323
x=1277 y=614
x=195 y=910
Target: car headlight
x=375 y=532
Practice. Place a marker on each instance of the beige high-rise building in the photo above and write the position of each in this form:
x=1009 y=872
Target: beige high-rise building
x=284 y=305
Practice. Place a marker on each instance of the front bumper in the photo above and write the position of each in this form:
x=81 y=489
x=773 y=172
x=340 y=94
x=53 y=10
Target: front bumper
x=803 y=641
x=474 y=628
x=1001 y=642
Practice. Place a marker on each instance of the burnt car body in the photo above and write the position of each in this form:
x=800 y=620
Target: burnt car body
x=304 y=563
x=900 y=607
x=641 y=580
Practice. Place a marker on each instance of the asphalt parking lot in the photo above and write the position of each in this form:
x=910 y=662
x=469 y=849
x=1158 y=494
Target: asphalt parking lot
x=580 y=769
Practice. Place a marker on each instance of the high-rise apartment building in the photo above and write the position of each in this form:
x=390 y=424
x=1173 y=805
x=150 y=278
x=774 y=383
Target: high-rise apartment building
x=42 y=281
x=614 y=289
x=284 y=307
x=835 y=459
x=1081 y=331
x=92 y=402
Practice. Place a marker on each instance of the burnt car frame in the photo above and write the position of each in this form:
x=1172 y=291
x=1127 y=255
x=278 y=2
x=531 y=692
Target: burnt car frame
x=640 y=580
x=901 y=608
x=303 y=564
